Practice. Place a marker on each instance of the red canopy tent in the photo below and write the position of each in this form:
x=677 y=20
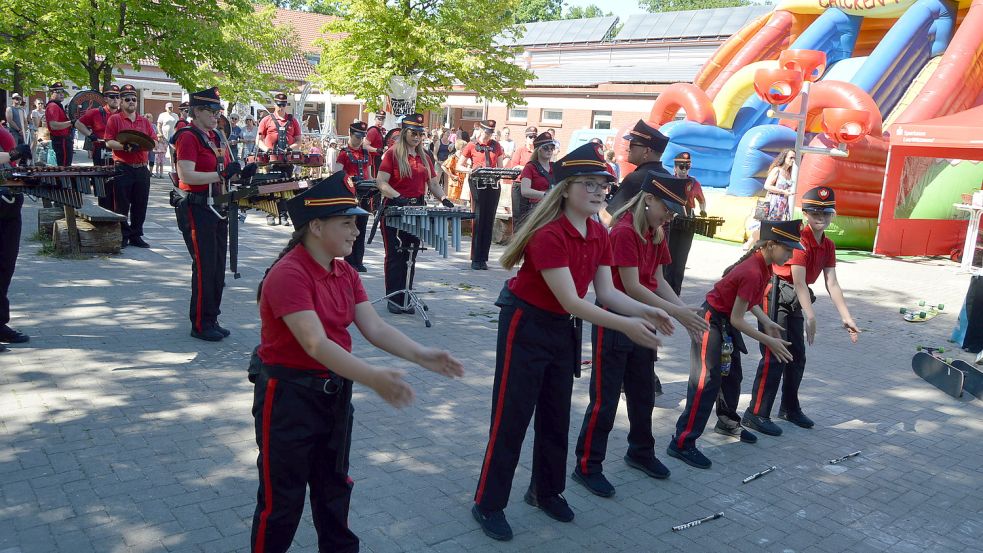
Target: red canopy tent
x=956 y=136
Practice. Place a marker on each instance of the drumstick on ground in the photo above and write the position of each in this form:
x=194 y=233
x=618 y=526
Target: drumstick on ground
x=844 y=458
x=696 y=522
x=758 y=475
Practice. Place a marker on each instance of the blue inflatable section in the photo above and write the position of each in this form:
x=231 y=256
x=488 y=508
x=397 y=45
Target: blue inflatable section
x=712 y=149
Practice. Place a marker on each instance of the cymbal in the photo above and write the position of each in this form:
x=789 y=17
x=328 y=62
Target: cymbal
x=142 y=140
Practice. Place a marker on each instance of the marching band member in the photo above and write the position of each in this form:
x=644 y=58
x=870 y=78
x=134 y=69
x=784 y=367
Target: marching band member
x=681 y=236
x=405 y=173
x=10 y=227
x=93 y=123
x=564 y=251
x=59 y=127
x=715 y=360
x=645 y=147
x=375 y=137
x=279 y=130
x=358 y=164
x=535 y=180
x=789 y=303
x=485 y=193
x=132 y=180
x=639 y=248
x=304 y=370
x=203 y=163
x=524 y=155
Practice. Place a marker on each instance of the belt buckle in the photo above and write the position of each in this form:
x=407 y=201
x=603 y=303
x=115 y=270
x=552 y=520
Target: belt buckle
x=330 y=387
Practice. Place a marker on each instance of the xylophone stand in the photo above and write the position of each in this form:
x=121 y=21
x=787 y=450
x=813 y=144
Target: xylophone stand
x=410 y=298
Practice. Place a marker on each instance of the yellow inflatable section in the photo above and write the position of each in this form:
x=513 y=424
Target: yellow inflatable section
x=738 y=88
x=867 y=8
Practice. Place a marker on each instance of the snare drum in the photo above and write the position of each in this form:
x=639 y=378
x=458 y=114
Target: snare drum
x=277 y=158
x=314 y=160
x=263 y=158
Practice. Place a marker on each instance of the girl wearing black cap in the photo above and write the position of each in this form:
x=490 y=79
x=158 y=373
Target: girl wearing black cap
x=640 y=249
x=535 y=180
x=715 y=360
x=304 y=370
x=789 y=303
x=563 y=250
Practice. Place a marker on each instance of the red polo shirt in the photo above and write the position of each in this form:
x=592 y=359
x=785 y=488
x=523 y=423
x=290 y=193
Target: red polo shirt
x=375 y=136
x=189 y=148
x=521 y=157
x=96 y=120
x=410 y=186
x=299 y=283
x=559 y=244
x=268 y=134
x=347 y=158
x=7 y=142
x=815 y=257
x=181 y=123
x=748 y=281
x=478 y=158
x=629 y=250
x=54 y=111
x=120 y=122
x=534 y=174
x=694 y=191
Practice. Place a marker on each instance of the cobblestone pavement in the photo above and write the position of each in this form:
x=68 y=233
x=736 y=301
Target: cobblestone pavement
x=119 y=432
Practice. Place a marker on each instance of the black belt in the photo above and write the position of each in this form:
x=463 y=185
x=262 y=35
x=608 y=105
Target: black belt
x=330 y=385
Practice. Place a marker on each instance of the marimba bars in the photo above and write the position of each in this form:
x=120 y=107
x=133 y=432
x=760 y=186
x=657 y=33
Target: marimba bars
x=64 y=185
x=439 y=227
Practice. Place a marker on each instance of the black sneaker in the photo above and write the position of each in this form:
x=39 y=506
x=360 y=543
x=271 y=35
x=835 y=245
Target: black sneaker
x=225 y=332
x=209 y=334
x=691 y=456
x=12 y=336
x=484 y=265
x=595 y=483
x=798 y=418
x=361 y=268
x=3 y=348
x=554 y=506
x=735 y=432
x=761 y=424
x=650 y=466
x=138 y=242
x=475 y=265
x=493 y=524
x=394 y=309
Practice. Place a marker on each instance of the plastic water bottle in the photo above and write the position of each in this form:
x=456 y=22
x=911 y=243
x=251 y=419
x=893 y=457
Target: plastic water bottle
x=726 y=349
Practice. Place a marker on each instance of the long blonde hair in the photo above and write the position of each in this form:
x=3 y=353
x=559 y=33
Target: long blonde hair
x=546 y=212
x=403 y=157
x=640 y=221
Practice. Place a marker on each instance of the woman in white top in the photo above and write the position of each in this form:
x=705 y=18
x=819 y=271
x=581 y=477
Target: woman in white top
x=779 y=185
x=248 y=139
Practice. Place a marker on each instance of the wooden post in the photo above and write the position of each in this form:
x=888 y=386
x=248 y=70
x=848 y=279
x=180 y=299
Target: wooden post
x=74 y=244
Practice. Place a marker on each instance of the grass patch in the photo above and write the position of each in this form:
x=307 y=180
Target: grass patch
x=47 y=245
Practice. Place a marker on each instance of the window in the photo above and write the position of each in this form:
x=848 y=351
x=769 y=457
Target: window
x=552 y=116
x=601 y=120
x=473 y=114
x=518 y=114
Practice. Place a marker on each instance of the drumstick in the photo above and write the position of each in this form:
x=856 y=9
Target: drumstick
x=844 y=458
x=696 y=522
x=758 y=475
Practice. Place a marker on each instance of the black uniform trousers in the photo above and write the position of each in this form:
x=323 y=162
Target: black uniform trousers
x=362 y=223
x=132 y=187
x=399 y=250
x=64 y=149
x=521 y=206
x=538 y=352
x=109 y=200
x=680 y=241
x=207 y=238
x=10 y=227
x=782 y=306
x=484 y=198
x=706 y=385
x=303 y=437
x=617 y=361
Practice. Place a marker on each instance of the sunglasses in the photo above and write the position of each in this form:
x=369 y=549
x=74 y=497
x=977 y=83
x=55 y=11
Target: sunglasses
x=281 y=104
x=414 y=133
x=683 y=165
x=112 y=96
x=548 y=147
x=129 y=99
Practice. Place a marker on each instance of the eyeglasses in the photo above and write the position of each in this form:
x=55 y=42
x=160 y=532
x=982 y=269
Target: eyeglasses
x=632 y=144
x=112 y=97
x=548 y=147
x=212 y=112
x=130 y=99
x=281 y=104
x=683 y=165
x=414 y=133
x=595 y=186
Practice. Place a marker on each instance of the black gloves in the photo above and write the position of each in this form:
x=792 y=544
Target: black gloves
x=22 y=151
x=131 y=147
x=248 y=172
x=398 y=201
x=447 y=203
x=232 y=170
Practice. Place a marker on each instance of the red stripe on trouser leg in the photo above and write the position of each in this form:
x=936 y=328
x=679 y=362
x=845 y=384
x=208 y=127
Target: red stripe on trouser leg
x=591 y=426
x=681 y=439
x=194 y=243
x=499 y=404
x=762 y=382
x=260 y=544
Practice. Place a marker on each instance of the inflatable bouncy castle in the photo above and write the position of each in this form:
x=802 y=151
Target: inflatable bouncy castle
x=903 y=61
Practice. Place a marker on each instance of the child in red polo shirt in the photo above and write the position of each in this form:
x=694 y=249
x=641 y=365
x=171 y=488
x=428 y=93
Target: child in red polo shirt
x=563 y=251
x=640 y=251
x=789 y=303
x=304 y=370
x=715 y=360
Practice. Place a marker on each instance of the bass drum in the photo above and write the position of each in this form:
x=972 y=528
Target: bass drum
x=82 y=102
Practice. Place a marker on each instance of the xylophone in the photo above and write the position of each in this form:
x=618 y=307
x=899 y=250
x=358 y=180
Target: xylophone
x=64 y=185
x=483 y=177
x=706 y=226
x=440 y=227
x=267 y=195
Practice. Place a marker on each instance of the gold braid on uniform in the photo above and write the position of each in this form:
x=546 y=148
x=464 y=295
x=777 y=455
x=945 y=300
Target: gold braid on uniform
x=296 y=238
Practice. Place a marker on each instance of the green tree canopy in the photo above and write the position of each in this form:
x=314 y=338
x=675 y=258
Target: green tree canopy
x=583 y=12
x=529 y=11
x=656 y=6
x=323 y=7
x=442 y=41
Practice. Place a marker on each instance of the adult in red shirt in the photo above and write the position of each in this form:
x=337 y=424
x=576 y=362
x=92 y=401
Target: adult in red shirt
x=524 y=155
x=132 y=181
x=535 y=179
x=485 y=191
x=789 y=303
x=563 y=250
x=279 y=130
x=59 y=127
x=203 y=164
x=375 y=138
x=640 y=250
x=681 y=230
x=359 y=165
x=405 y=174
x=715 y=360
x=93 y=124
x=10 y=227
x=304 y=371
